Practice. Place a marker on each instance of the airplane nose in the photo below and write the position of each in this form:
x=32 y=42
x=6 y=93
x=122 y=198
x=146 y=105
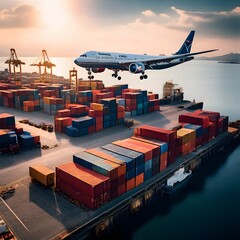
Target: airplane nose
x=76 y=62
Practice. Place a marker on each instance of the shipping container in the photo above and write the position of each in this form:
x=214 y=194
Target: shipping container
x=194 y=119
x=105 y=155
x=85 y=180
x=138 y=157
x=97 y=164
x=42 y=174
x=148 y=155
x=157 y=133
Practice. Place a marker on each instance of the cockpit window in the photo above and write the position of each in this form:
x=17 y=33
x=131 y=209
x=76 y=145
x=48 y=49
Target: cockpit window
x=83 y=55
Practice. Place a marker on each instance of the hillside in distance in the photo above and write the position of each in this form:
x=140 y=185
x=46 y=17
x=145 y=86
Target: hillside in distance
x=229 y=58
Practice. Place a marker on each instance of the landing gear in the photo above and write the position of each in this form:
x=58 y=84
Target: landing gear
x=143 y=76
x=90 y=76
x=115 y=74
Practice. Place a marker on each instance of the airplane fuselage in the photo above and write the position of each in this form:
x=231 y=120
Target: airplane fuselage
x=112 y=60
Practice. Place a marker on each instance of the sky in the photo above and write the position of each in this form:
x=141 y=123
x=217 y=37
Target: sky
x=67 y=28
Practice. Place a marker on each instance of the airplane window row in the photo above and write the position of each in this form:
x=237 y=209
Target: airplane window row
x=105 y=54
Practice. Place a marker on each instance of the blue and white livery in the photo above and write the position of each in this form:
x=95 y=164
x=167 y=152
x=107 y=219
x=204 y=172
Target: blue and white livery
x=96 y=62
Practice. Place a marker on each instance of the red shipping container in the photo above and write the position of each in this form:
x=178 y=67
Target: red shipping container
x=161 y=134
x=63 y=113
x=18 y=130
x=212 y=130
x=76 y=194
x=121 y=179
x=87 y=181
x=36 y=139
x=91 y=129
x=91 y=113
x=194 y=119
x=213 y=116
x=171 y=156
x=113 y=183
x=164 y=158
x=121 y=189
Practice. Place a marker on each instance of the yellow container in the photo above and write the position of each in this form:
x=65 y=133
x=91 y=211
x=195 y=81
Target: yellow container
x=42 y=174
x=96 y=106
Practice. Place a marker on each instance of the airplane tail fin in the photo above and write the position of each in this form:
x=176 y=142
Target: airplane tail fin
x=186 y=47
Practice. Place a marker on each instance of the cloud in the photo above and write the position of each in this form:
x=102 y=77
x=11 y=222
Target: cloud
x=219 y=24
x=149 y=13
x=24 y=16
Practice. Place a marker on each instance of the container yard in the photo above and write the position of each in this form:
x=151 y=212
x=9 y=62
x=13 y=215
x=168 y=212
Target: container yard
x=103 y=179
x=91 y=170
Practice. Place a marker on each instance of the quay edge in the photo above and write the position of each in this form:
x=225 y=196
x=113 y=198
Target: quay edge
x=135 y=200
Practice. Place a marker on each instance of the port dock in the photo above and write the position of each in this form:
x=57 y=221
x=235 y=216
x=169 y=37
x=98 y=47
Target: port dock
x=133 y=201
x=37 y=212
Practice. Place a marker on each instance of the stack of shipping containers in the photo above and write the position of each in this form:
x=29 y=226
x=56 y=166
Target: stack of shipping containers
x=129 y=162
x=86 y=120
x=115 y=171
x=11 y=135
x=84 y=97
x=96 y=111
x=69 y=96
x=186 y=141
x=82 y=184
x=52 y=105
x=134 y=163
x=90 y=85
x=161 y=134
x=163 y=150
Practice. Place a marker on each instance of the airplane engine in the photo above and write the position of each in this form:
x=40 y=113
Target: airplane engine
x=98 y=70
x=136 y=67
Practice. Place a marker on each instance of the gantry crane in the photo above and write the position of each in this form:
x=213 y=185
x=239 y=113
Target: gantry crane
x=73 y=79
x=15 y=67
x=44 y=62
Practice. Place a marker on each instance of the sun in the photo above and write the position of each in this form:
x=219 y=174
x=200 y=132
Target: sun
x=53 y=14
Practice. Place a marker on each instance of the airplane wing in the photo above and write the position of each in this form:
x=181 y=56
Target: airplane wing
x=164 y=58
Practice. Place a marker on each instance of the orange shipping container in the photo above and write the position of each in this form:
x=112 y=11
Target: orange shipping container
x=130 y=184
x=123 y=143
x=164 y=162
x=96 y=106
x=63 y=113
x=139 y=179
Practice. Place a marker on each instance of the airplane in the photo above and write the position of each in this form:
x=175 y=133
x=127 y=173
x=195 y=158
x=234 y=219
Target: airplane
x=97 y=62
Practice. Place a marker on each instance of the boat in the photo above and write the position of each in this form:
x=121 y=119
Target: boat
x=177 y=181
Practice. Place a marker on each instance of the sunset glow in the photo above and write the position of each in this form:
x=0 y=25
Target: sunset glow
x=69 y=27
x=53 y=15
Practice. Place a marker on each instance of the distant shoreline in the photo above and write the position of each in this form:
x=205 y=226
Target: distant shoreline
x=229 y=62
